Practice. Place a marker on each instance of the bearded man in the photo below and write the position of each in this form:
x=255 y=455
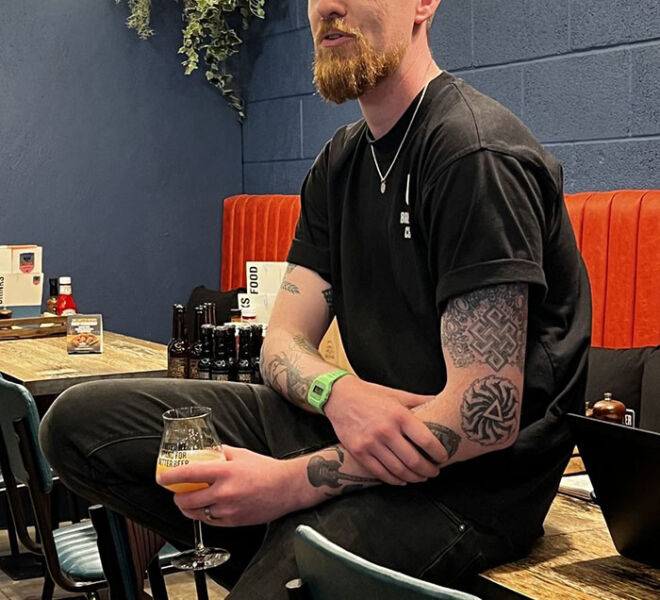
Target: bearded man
x=434 y=228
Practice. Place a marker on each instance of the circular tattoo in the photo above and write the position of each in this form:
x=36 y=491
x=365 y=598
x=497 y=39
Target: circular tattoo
x=488 y=412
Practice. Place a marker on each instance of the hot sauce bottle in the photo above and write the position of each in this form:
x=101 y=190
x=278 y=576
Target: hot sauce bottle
x=66 y=305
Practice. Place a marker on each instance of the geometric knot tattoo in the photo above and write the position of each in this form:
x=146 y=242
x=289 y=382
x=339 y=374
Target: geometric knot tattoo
x=486 y=326
x=488 y=411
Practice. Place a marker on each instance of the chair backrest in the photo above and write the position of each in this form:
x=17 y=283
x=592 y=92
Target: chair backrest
x=255 y=228
x=18 y=409
x=330 y=572
x=618 y=234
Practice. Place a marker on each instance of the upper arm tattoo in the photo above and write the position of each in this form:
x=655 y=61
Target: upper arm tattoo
x=327 y=294
x=287 y=286
x=487 y=326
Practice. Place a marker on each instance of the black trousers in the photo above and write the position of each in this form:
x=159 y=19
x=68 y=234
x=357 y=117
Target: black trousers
x=103 y=440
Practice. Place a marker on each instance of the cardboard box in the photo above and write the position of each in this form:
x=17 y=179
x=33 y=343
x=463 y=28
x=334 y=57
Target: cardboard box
x=264 y=277
x=26 y=258
x=261 y=303
x=21 y=292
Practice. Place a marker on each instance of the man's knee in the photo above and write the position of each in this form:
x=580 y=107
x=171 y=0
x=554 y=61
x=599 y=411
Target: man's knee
x=61 y=432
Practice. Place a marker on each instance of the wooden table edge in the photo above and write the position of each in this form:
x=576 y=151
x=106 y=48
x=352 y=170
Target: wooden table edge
x=41 y=387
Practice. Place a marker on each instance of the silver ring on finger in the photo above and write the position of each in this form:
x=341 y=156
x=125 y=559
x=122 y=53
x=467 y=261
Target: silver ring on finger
x=207 y=514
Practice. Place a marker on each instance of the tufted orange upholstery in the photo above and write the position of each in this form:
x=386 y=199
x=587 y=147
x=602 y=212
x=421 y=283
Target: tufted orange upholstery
x=618 y=234
x=255 y=228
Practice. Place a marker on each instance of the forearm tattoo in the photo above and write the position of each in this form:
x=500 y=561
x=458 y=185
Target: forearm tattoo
x=324 y=472
x=448 y=438
x=302 y=344
x=489 y=411
x=487 y=326
x=283 y=374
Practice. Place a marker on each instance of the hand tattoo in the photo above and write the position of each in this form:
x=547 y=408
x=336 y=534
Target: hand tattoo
x=489 y=410
x=487 y=326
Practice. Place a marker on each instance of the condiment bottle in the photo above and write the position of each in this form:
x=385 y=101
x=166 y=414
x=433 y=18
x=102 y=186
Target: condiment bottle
x=609 y=409
x=51 y=303
x=66 y=305
x=249 y=315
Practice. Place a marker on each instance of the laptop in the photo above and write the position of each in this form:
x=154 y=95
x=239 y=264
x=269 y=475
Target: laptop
x=624 y=466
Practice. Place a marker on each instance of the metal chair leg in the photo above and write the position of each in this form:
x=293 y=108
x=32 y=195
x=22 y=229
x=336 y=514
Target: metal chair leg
x=156 y=580
x=200 y=585
x=49 y=587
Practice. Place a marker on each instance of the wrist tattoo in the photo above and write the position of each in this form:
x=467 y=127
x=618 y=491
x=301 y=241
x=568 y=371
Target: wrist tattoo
x=326 y=472
x=487 y=326
x=489 y=412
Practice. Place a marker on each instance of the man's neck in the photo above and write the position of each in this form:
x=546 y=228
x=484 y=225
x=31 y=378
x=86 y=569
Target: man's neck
x=383 y=106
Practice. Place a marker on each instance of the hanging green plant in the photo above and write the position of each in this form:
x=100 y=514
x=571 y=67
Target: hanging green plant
x=206 y=31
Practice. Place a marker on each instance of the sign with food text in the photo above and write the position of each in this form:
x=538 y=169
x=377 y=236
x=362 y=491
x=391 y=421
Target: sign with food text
x=84 y=334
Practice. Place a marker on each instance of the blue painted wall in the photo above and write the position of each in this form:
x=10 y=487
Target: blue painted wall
x=111 y=158
x=584 y=75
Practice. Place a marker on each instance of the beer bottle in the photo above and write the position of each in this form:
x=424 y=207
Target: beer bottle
x=255 y=353
x=244 y=367
x=178 y=349
x=196 y=345
x=220 y=364
x=206 y=358
x=230 y=345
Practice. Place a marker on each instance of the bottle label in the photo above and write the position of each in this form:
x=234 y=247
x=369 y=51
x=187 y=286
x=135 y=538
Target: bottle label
x=193 y=368
x=245 y=377
x=177 y=367
x=220 y=376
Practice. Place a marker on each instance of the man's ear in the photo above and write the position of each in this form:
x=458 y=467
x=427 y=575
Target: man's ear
x=425 y=10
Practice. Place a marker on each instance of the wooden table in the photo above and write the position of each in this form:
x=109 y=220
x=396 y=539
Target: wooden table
x=575 y=560
x=43 y=366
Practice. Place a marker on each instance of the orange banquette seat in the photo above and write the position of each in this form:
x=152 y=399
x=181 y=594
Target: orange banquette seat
x=617 y=232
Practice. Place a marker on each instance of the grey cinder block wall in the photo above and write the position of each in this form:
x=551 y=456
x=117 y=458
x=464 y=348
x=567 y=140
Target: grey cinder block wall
x=583 y=75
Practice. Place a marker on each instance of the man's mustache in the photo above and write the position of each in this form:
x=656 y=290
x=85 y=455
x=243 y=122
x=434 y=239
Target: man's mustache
x=335 y=26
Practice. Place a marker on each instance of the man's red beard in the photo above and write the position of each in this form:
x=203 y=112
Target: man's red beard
x=345 y=72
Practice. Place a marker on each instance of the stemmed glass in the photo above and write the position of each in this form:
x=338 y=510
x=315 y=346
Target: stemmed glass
x=189 y=437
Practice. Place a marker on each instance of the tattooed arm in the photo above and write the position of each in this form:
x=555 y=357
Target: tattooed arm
x=484 y=336
x=290 y=360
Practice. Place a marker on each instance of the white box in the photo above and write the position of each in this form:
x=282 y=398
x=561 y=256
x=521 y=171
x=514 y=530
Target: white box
x=26 y=258
x=21 y=290
x=262 y=304
x=264 y=277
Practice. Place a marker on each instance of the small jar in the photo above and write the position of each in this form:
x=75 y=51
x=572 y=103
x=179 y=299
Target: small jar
x=609 y=409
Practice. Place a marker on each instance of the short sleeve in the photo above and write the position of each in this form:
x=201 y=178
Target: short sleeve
x=310 y=246
x=484 y=221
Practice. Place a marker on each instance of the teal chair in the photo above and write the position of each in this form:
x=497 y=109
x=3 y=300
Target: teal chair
x=329 y=572
x=71 y=553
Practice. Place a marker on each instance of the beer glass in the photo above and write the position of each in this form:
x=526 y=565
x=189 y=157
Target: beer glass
x=189 y=437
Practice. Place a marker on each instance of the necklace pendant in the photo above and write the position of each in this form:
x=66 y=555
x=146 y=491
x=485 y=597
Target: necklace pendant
x=382 y=187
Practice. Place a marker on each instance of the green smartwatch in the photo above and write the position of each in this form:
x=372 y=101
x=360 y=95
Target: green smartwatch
x=319 y=391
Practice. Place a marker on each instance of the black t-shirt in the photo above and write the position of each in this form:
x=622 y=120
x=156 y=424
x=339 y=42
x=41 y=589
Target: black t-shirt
x=472 y=200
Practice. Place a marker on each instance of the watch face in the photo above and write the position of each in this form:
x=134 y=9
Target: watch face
x=317 y=389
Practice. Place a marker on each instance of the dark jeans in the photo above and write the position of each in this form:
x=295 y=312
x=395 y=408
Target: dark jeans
x=103 y=439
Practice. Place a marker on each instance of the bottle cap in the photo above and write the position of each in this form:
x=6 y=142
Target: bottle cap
x=66 y=280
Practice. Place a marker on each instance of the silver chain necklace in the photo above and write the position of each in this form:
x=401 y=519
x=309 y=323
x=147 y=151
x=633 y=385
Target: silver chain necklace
x=383 y=178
